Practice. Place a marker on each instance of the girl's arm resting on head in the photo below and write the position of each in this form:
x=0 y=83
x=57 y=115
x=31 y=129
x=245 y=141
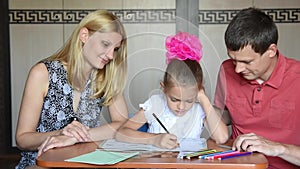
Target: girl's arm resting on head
x=217 y=128
x=118 y=113
x=36 y=87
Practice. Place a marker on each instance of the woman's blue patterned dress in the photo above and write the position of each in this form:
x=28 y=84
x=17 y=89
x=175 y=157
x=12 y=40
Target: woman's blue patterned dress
x=57 y=109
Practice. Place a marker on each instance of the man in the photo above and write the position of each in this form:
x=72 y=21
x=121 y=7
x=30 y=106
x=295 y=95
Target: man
x=259 y=87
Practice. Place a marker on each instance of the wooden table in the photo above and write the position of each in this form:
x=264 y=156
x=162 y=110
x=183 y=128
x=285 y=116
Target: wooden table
x=55 y=158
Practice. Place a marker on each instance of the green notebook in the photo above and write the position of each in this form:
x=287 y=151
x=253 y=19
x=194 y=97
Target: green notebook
x=100 y=157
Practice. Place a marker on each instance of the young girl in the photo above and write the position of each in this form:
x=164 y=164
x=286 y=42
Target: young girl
x=183 y=107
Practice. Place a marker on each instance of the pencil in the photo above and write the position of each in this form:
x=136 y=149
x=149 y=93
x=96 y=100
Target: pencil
x=196 y=154
x=225 y=153
x=210 y=156
x=235 y=155
x=160 y=123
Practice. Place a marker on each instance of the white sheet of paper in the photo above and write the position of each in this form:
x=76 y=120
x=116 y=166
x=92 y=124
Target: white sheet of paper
x=191 y=145
x=113 y=145
x=185 y=145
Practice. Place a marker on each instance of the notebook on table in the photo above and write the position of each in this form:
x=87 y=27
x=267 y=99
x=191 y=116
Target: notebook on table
x=101 y=157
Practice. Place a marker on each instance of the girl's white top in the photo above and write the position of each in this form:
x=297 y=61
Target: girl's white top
x=190 y=125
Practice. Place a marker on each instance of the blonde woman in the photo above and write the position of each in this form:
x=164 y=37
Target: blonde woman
x=64 y=93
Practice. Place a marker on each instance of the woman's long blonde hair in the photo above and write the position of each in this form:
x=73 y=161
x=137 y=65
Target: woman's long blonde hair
x=109 y=81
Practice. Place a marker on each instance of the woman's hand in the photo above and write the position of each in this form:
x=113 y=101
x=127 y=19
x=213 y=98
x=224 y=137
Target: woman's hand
x=77 y=130
x=56 y=141
x=168 y=141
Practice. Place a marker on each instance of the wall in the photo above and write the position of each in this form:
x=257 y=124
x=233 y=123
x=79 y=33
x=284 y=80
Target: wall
x=5 y=88
x=39 y=28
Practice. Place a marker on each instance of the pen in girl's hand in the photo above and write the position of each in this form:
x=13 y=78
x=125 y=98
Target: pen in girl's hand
x=160 y=123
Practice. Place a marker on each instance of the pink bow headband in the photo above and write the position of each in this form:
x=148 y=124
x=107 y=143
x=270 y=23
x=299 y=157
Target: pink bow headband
x=183 y=46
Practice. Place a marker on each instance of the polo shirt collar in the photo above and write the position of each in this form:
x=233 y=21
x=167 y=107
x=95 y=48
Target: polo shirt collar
x=278 y=73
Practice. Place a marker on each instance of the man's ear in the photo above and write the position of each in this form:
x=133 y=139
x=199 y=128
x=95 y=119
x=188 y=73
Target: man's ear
x=84 y=34
x=272 y=50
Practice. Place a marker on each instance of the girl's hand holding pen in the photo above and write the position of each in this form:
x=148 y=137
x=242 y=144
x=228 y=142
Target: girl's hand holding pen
x=168 y=140
x=164 y=140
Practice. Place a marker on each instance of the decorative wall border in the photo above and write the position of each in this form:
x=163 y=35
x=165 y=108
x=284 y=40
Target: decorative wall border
x=131 y=16
x=51 y=16
x=290 y=15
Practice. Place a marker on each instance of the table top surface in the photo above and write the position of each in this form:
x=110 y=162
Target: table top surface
x=55 y=158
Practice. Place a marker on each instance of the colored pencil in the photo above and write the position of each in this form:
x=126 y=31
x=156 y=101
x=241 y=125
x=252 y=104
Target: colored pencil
x=196 y=154
x=227 y=153
x=216 y=153
x=235 y=155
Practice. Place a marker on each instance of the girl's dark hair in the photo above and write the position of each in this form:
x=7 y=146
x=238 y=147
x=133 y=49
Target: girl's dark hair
x=251 y=27
x=183 y=73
